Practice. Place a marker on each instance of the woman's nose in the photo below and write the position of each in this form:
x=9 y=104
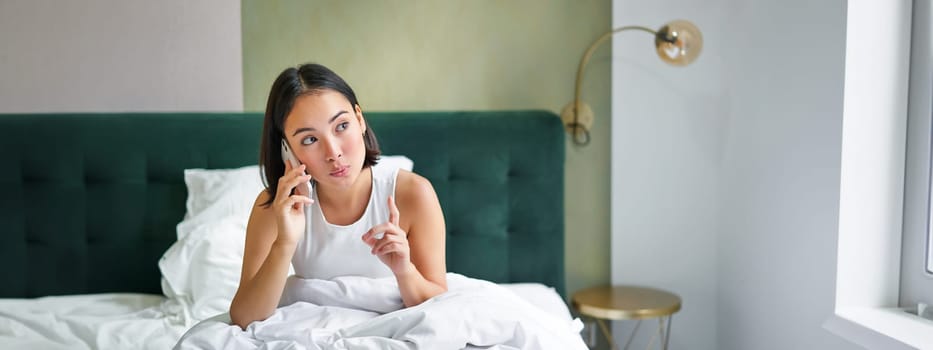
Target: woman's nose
x=333 y=149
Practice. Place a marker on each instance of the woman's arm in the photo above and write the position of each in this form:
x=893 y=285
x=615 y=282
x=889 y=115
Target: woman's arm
x=416 y=254
x=272 y=235
x=426 y=238
x=265 y=267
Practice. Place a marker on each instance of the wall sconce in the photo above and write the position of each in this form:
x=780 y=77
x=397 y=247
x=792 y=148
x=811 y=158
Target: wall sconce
x=678 y=43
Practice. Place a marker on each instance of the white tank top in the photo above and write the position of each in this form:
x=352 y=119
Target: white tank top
x=327 y=250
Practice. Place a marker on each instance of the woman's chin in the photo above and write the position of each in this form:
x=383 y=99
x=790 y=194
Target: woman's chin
x=343 y=181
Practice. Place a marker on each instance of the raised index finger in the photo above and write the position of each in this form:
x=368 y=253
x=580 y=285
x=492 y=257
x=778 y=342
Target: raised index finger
x=393 y=211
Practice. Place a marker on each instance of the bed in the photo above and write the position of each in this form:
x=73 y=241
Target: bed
x=120 y=230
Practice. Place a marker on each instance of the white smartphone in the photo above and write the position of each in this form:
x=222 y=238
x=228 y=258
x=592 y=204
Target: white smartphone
x=303 y=188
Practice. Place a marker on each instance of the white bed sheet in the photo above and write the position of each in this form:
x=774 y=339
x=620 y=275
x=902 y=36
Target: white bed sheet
x=140 y=321
x=92 y=321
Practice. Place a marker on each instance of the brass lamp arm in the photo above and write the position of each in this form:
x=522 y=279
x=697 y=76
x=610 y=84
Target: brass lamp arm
x=677 y=43
x=579 y=81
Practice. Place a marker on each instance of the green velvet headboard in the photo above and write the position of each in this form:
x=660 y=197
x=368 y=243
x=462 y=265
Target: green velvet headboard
x=89 y=202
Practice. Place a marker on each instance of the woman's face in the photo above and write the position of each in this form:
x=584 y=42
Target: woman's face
x=326 y=135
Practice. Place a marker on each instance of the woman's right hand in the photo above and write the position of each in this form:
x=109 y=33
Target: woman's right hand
x=288 y=207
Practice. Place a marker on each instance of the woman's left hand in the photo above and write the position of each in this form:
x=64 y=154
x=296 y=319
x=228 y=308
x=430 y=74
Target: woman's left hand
x=390 y=243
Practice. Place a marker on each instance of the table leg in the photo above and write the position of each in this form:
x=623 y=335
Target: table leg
x=663 y=332
x=632 y=335
x=667 y=335
x=607 y=333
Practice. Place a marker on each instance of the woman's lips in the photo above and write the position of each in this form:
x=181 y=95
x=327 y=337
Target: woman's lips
x=340 y=172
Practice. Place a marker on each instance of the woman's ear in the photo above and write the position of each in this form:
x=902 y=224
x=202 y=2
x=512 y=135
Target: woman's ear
x=359 y=117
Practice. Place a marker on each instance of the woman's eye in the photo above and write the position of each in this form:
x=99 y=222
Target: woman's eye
x=343 y=126
x=308 y=140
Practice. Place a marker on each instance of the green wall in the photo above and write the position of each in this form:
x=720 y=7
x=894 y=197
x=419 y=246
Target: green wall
x=454 y=55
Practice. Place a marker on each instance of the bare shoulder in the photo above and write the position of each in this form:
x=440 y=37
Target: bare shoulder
x=420 y=210
x=414 y=190
x=416 y=200
x=261 y=212
x=261 y=198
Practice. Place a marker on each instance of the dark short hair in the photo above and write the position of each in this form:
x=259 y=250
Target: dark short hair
x=292 y=83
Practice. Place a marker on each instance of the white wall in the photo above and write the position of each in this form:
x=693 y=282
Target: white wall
x=105 y=55
x=777 y=263
x=667 y=147
x=725 y=177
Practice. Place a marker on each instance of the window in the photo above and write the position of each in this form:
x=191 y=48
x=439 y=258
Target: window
x=880 y=188
x=916 y=285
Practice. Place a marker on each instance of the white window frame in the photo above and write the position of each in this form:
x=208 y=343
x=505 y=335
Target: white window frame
x=871 y=196
x=916 y=278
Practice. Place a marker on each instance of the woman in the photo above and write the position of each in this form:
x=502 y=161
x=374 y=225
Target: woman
x=360 y=219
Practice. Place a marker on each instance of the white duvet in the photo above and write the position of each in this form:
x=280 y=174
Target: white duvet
x=361 y=313
x=528 y=315
x=93 y=321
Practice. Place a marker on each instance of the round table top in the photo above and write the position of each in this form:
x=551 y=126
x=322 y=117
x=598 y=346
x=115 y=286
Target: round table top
x=625 y=302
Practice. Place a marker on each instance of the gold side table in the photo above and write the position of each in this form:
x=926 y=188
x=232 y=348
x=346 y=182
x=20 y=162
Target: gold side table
x=627 y=303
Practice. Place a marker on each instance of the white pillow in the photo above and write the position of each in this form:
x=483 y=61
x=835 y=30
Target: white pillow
x=201 y=271
x=219 y=193
x=396 y=162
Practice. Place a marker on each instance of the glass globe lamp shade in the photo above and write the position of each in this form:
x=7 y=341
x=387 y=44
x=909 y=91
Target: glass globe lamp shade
x=678 y=43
